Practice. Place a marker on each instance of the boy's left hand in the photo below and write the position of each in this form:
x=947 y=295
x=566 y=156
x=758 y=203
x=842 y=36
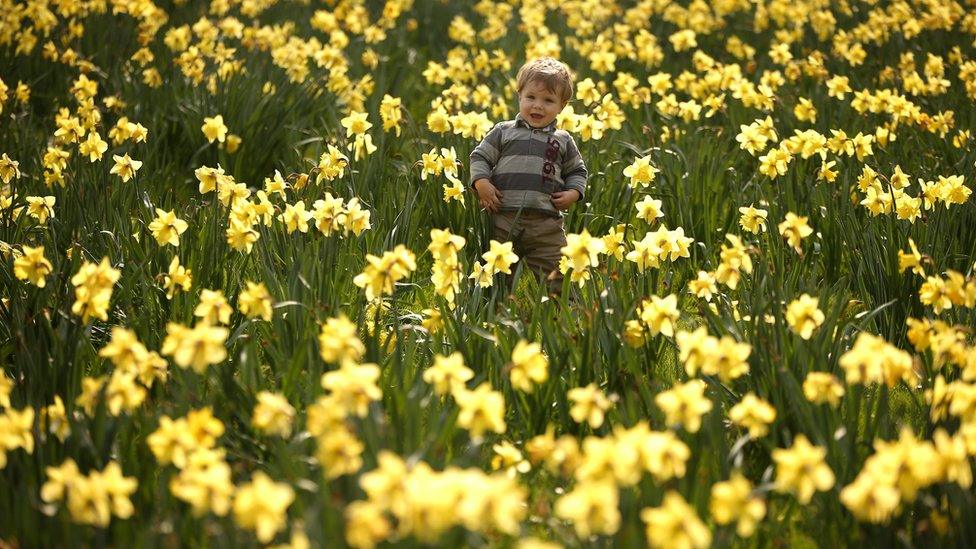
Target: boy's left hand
x=562 y=200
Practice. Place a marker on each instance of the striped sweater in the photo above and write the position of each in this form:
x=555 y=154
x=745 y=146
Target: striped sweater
x=528 y=164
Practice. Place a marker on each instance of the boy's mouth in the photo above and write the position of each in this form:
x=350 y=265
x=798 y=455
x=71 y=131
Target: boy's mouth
x=535 y=116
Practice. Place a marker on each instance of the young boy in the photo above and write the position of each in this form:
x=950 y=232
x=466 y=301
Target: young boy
x=526 y=172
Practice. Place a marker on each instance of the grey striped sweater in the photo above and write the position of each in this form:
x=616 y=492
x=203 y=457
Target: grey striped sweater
x=528 y=164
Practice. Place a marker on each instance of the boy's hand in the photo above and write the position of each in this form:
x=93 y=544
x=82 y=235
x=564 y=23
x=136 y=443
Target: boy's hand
x=489 y=196
x=562 y=200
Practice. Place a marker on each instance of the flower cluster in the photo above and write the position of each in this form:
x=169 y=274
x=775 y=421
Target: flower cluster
x=93 y=498
x=381 y=273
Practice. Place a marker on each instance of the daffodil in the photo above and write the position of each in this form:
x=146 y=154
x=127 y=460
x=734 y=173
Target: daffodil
x=93 y=289
x=9 y=168
x=754 y=414
x=675 y=524
x=753 y=219
x=261 y=505
x=641 y=172
x=166 y=228
x=499 y=258
x=93 y=147
x=32 y=266
x=255 y=301
x=198 y=347
x=214 y=128
x=273 y=415
x=481 y=409
x=803 y=316
x=448 y=374
x=125 y=167
x=801 y=470
x=529 y=366
x=733 y=501
x=589 y=405
x=794 y=229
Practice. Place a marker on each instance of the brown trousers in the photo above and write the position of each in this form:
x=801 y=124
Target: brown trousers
x=537 y=239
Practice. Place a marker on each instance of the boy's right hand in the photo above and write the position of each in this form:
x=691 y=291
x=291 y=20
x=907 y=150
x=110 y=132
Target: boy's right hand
x=489 y=196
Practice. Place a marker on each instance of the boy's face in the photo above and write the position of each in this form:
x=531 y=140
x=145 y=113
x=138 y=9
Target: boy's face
x=539 y=106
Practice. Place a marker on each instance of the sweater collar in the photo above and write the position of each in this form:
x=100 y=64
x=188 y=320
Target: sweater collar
x=519 y=121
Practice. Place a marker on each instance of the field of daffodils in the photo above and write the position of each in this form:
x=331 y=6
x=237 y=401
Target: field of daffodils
x=249 y=299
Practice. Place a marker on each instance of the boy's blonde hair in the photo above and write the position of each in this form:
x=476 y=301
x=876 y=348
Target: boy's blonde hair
x=553 y=74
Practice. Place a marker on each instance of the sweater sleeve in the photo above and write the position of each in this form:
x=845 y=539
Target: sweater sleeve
x=573 y=169
x=484 y=157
